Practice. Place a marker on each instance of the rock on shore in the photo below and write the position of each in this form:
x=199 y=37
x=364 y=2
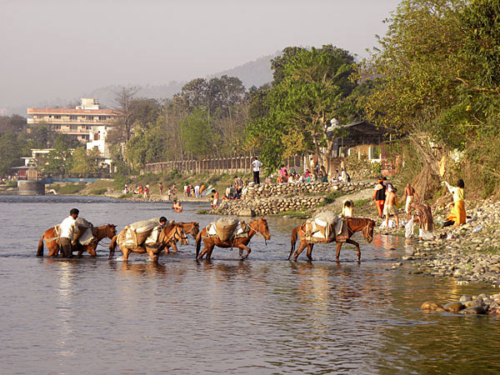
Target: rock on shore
x=468 y=305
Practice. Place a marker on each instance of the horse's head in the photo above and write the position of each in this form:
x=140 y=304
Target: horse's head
x=368 y=231
x=110 y=231
x=264 y=229
x=195 y=229
x=174 y=232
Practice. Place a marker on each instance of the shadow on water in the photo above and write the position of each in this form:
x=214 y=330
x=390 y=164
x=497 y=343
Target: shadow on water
x=263 y=315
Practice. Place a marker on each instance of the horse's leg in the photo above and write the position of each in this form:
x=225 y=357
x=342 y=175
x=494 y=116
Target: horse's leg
x=302 y=246
x=242 y=247
x=309 y=251
x=339 y=246
x=209 y=249
x=152 y=255
x=125 y=252
x=53 y=248
x=174 y=246
x=167 y=248
x=357 y=247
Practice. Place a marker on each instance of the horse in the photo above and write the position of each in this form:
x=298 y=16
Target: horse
x=50 y=236
x=354 y=225
x=256 y=226
x=171 y=232
x=192 y=228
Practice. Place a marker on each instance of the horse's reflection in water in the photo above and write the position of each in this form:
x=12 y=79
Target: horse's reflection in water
x=150 y=269
x=224 y=271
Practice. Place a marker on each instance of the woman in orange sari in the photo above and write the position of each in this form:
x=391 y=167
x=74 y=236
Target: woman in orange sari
x=457 y=215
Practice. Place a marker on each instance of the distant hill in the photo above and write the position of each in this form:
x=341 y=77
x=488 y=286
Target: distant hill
x=254 y=73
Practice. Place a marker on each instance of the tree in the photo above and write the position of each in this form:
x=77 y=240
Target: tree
x=42 y=136
x=311 y=89
x=437 y=80
x=59 y=160
x=123 y=104
x=85 y=162
x=196 y=134
x=10 y=152
x=14 y=123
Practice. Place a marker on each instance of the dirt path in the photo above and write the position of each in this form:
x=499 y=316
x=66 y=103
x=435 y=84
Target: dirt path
x=337 y=205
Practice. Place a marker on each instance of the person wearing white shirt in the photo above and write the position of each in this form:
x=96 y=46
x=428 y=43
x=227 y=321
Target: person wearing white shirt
x=256 y=170
x=68 y=229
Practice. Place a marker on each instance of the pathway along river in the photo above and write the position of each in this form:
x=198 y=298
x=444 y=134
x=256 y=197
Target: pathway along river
x=265 y=315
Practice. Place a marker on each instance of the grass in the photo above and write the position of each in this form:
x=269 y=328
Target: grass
x=126 y=196
x=99 y=191
x=71 y=189
x=295 y=214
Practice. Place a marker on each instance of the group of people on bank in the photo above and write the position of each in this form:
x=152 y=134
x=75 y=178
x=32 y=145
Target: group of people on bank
x=386 y=200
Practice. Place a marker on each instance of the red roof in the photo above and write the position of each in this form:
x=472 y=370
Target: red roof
x=67 y=111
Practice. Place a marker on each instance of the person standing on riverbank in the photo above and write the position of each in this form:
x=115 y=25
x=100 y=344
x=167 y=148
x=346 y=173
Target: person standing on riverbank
x=160 y=188
x=216 y=199
x=68 y=229
x=379 y=197
x=256 y=170
x=391 y=203
x=457 y=215
x=408 y=197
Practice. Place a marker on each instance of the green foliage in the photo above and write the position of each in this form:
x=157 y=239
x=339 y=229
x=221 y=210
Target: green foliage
x=11 y=149
x=309 y=88
x=85 y=162
x=196 y=133
x=60 y=160
x=99 y=191
x=120 y=181
x=71 y=189
x=295 y=214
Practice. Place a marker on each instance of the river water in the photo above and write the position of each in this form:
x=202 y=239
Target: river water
x=264 y=315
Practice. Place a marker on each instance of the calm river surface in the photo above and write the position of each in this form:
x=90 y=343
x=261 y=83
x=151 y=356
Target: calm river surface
x=265 y=315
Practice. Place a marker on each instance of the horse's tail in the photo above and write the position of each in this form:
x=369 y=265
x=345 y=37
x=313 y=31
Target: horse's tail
x=293 y=241
x=112 y=247
x=39 y=252
x=198 y=244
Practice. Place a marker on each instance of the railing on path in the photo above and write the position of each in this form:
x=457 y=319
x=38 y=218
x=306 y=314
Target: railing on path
x=237 y=164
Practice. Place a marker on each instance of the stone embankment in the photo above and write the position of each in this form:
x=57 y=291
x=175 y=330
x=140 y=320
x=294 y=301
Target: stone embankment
x=469 y=253
x=271 y=199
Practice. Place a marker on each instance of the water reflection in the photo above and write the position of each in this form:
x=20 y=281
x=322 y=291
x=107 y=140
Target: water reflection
x=263 y=315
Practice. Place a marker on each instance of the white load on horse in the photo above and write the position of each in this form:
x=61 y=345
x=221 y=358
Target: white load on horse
x=86 y=229
x=326 y=227
x=86 y=233
x=227 y=229
x=140 y=233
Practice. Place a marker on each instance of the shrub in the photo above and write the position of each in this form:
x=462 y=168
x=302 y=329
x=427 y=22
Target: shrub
x=99 y=191
x=71 y=189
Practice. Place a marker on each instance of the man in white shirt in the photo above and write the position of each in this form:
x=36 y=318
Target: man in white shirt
x=256 y=170
x=68 y=229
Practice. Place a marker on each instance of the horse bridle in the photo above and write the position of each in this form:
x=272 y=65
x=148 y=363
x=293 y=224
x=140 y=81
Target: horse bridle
x=367 y=234
x=257 y=231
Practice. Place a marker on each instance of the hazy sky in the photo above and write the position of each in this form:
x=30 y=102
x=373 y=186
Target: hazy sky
x=64 y=48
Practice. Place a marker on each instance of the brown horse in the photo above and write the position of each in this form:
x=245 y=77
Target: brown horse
x=50 y=236
x=353 y=225
x=256 y=226
x=192 y=228
x=172 y=232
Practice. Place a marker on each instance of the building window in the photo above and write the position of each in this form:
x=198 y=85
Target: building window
x=73 y=127
x=72 y=117
x=90 y=117
x=57 y=117
x=102 y=118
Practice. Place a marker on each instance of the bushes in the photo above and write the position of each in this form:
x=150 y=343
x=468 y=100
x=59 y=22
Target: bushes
x=71 y=189
x=99 y=191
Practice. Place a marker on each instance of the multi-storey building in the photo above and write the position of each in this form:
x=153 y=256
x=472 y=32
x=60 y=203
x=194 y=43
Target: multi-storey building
x=81 y=122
